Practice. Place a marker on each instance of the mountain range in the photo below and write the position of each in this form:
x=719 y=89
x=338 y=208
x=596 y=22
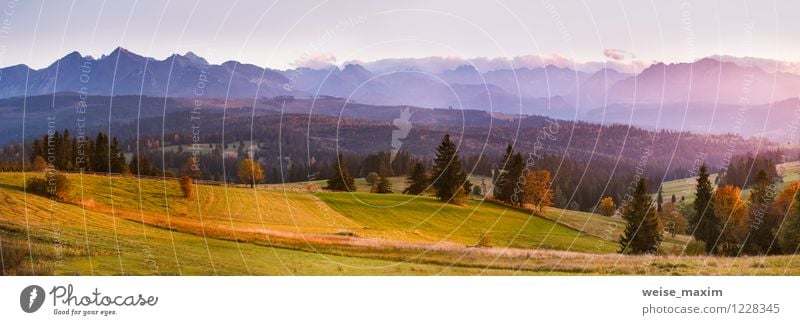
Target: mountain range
x=705 y=86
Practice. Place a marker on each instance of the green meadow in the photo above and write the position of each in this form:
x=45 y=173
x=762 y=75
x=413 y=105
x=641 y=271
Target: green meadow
x=122 y=225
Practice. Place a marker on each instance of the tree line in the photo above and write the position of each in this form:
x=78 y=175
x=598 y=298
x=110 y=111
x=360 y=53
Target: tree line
x=766 y=222
x=63 y=152
x=517 y=183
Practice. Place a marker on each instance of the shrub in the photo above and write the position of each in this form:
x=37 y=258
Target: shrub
x=52 y=185
x=485 y=241
x=695 y=248
x=16 y=259
x=372 y=178
x=36 y=185
x=476 y=190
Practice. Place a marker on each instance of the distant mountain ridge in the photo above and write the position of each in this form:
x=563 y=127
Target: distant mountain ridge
x=560 y=92
x=122 y=72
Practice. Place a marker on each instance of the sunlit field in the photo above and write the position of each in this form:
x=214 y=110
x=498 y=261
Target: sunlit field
x=125 y=225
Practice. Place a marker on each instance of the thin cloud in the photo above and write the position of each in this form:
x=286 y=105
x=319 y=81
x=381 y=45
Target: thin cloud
x=315 y=61
x=437 y=64
x=616 y=54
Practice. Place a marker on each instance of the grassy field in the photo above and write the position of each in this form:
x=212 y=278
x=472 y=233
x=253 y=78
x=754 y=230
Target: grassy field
x=123 y=225
x=399 y=183
x=408 y=218
x=85 y=237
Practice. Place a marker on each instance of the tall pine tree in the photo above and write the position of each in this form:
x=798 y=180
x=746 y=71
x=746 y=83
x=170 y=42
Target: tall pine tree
x=763 y=224
x=790 y=234
x=100 y=154
x=660 y=200
x=500 y=192
x=418 y=181
x=341 y=179
x=116 y=158
x=707 y=226
x=447 y=175
x=514 y=180
x=643 y=227
x=383 y=185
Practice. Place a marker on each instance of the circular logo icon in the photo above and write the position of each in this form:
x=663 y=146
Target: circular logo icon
x=31 y=298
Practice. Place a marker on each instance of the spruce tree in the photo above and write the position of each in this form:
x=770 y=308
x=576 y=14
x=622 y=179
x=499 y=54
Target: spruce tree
x=500 y=183
x=276 y=176
x=383 y=185
x=707 y=227
x=418 y=180
x=732 y=176
x=467 y=186
x=447 y=175
x=643 y=227
x=37 y=149
x=140 y=165
x=513 y=185
x=100 y=154
x=341 y=179
x=660 y=200
x=790 y=234
x=116 y=158
x=763 y=224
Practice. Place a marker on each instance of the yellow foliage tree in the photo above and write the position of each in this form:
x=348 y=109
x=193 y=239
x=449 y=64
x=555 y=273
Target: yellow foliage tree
x=674 y=222
x=537 y=191
x=733 y=214
x=607 y=206
x=186 y=186
x=250 y=172
x=39 y=165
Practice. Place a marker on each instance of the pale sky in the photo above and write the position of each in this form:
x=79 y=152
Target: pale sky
x=279 y=34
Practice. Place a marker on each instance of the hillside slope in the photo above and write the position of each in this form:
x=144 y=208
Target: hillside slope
x=107 y=228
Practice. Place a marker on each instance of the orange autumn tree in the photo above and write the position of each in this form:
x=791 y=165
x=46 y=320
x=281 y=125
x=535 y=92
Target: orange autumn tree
x=537 y=191
x=607 y=206
x=733 y=214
